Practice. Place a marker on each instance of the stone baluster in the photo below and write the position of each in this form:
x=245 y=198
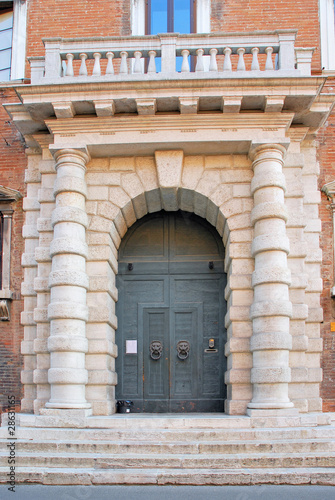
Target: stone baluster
x=254 y=62
x=69 y=66
x=96 y=67
x=83 y=68
x=269 y=62
x=185 y=67
x=152 y=62
x=271 y=309
x=110 y=67
x=137 y=64
x=212 y=62
x=241 y=63
x=200 y=61
x=68 y=281
x=227 y=61
x=123 y=64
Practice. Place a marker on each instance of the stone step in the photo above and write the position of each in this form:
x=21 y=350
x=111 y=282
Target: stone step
x=172 y=435
x=162 y=447
x=182 y=461
x=70 y=476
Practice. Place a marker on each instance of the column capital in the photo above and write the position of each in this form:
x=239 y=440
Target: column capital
x=64 y=155
x=264 y=148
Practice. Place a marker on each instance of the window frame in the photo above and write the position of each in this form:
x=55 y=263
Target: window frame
x=327 y=34
x=7 y=198
x=170 y=16
x=202 y=9
x=19 y=38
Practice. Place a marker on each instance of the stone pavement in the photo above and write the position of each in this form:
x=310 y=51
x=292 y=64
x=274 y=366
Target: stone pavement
x=262 y=492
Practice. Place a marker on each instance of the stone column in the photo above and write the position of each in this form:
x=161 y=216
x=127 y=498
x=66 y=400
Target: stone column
x=68 y=281
x=271 y=309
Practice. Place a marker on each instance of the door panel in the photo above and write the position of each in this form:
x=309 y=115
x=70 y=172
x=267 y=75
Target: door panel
x=181 y=300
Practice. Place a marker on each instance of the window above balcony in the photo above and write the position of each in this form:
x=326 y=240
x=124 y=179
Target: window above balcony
x=169 y=16
x=13 y=21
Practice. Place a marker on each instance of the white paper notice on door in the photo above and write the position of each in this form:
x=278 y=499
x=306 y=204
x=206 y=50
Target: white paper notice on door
x=131 y=346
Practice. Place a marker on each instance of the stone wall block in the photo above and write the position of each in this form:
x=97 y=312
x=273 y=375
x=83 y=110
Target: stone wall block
x=70 y=184
x=237 y=376
x=192 y=171
x=269 y=242
x=97 y=193
x=46 y=195
x=67 y=376
x=30 y=231
x=40 y=315
x=140 y=205
x=271 y=274
x=68 y=277
x=271 y=374
x=146 y=171
x=27 y=290
x=212 y=213
x=64 y=343
x=102 y=377
x=103 y=178
x=118 y=196
x=65 y=310
x=67 y=246
x=271 y=308
x=200 y=204
x=31 y=204
x=69 y=214
x=271 y=341
x=153 y=200
x=221 y=194
x=269 y=178
x=120 y=224
x=186 y=199
x=269 y=210
x=209 y=182
x=100 y=224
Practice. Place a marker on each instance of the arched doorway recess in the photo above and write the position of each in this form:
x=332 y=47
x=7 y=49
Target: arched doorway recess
x=171 y=312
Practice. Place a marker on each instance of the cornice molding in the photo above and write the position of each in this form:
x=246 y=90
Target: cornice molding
x=8 y=194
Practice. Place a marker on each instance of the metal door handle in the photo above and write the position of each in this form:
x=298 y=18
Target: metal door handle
x=156 y=349
x=183 y=349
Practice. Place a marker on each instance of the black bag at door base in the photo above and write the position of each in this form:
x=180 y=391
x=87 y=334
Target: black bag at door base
x=124 y=406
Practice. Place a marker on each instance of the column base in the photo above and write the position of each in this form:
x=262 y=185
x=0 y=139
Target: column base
x=66 y=412
x=268 y=412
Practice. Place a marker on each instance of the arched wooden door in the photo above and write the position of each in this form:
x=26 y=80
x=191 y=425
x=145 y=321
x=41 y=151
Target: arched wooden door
x=171 y=311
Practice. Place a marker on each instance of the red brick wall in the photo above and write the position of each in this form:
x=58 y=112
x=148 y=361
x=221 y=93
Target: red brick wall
x=12 y=165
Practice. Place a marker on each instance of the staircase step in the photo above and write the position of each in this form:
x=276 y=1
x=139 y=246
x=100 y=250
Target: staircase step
x=173 y=435
x=151 y=460
x=163 y=447
x=70 y=476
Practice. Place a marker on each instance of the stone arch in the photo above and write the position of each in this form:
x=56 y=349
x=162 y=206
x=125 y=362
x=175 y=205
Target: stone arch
x=170 y=182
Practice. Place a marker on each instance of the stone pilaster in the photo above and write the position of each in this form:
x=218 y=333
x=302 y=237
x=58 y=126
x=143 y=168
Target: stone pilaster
x=68 y=282
x=271 y=309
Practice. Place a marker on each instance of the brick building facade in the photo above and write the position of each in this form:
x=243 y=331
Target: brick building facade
x=102 y=138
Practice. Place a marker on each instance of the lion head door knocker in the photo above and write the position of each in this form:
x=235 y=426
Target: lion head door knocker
x=156 y=349
x=183 y=349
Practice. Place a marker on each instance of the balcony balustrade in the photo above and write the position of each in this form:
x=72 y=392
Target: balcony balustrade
x=215 y=55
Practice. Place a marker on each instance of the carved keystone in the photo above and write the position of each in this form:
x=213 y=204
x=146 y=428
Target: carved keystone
x=169 y=166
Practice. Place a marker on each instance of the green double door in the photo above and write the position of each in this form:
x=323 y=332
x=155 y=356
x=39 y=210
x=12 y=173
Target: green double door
x=171 y=312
